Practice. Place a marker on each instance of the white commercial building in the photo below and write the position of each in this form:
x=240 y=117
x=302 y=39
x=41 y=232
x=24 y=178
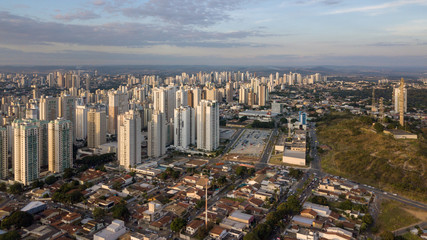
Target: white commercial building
x=129 y=139
x=208 y=125
x=113 y=231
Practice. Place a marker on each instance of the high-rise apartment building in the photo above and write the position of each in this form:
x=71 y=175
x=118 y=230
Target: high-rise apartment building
x=4 y=153
x=208 y=125
x=49 y=109
x=60 y=135
x=117 y=104
x=67 y=108
x=81 y=122
x=129 y=139
x=181 y=98
x=184 y=127
x=28 y=149
x=96 y=127
x=157 y=135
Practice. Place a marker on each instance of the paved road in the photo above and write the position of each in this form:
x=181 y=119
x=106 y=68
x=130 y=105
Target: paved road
x=316 y=168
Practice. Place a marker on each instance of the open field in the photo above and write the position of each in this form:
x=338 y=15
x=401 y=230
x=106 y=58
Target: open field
x=376 y=159
x=395 y=215
x=250 y=146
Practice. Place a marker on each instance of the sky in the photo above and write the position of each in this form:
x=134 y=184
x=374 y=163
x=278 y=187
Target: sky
x=214 y=32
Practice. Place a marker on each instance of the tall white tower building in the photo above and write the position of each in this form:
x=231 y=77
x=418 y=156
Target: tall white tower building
x=60 y=132
x=49 y=109
x=81 y=122
x=184 y=127
x=129 y=139
x=157 y=134
x=28 y=148
x=208 y=125
x=96 y=127
x=117 y=104
x=4 y=153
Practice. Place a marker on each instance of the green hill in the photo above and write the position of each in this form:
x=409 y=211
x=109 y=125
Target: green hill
x=359 y=153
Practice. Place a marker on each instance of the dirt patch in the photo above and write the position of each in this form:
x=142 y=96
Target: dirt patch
x=422 y=215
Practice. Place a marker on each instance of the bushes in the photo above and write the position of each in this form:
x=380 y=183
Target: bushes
x=17 y=219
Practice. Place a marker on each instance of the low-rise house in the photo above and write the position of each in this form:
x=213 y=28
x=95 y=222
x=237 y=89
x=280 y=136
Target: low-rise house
x=218 y=232
x=194 y=226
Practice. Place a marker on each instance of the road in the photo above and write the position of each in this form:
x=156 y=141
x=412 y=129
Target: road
x=316 y=168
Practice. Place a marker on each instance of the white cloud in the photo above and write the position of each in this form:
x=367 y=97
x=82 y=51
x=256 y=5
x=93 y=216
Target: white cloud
x=378 y=7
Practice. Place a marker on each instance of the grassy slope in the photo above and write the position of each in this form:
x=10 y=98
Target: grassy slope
x=393 y=216
x=361 y=154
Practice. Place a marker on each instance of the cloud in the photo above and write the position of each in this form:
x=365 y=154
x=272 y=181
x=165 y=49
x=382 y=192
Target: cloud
x=185 y=12
x=98 y=2
x=79 y=15
x=372 y=8
x=27 y=31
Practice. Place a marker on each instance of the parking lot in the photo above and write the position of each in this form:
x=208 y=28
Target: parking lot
x=251 y=143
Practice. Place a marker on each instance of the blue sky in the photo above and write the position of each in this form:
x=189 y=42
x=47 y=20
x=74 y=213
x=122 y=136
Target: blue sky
x=214 y=32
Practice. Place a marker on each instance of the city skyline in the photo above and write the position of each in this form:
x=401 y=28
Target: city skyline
x=217 y=32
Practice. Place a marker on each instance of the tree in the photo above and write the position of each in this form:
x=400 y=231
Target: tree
x=68 y=173
x=98 y=213
x=12 y=235
x=241 y=171
x=16 y=188
x=319 y=200
x=379 y=128
x=37 y=184
x=368 y=219
x=120 y=211
x=50 y=180
x=387 y=235
x=200 y=204
x=177 y=224
x=18 y=219
x=3 y=187
x=116 y=185
x=295 y=173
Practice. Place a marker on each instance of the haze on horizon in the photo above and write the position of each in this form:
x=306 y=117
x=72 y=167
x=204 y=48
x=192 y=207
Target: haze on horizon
x=214 y=32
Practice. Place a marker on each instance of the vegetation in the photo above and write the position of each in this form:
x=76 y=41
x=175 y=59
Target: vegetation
x=170 y=173
x=243 y=171
x=177 y=224
x=37 y=184
x=263 y=231
x=68 y=193
x=17 y=219
x=120 y=211
x=16 y=188
x=319 y=200
x=393 y=216
x=12 y=235
x=3 y=187
x=259 y=124
x=295 y=173
x=50 y=180
x=93 y=161
x=371 y=158
x=98 y=213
